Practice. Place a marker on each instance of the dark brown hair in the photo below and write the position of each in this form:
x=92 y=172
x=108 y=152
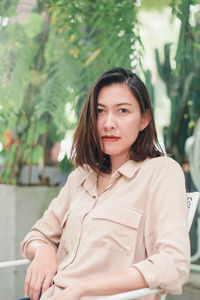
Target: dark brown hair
x=86 y=149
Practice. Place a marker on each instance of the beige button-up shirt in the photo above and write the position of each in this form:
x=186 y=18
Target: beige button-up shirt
x=140 y=220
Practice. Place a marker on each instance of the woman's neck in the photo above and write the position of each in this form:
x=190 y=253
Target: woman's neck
x=116 y=163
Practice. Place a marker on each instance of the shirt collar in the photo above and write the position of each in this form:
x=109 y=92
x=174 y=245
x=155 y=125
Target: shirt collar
x=85 y=173
x=88 y=179
x=128 y=169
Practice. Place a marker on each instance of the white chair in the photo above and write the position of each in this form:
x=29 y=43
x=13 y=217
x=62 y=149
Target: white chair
x=192 y=202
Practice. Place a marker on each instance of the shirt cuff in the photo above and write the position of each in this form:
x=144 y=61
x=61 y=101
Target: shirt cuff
x=26 y=242
x=160 y=271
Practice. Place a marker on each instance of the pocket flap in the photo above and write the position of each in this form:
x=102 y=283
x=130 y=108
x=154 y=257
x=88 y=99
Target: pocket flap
x=118 y=214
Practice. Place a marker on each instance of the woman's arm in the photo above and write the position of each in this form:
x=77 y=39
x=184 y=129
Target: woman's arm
x=40 y=245
x=114 y=283
x=49 y=227
x=104 y=285
x=166 y=228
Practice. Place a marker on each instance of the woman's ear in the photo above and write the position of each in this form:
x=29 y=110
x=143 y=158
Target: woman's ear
x=146 y=117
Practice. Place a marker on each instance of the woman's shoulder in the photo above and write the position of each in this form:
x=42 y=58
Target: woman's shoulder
x=162 y=163
x=163 y=170
x=79 y=174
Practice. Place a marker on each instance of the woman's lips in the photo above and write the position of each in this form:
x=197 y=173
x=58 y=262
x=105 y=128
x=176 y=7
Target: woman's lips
x=110 y=138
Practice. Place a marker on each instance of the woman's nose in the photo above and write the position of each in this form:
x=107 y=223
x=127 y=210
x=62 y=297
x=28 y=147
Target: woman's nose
x=110 y=122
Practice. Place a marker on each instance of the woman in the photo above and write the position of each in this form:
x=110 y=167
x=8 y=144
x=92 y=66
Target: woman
x=120 y=221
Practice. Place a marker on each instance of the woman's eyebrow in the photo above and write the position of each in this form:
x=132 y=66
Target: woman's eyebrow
x=124 y=103
x=118 y=104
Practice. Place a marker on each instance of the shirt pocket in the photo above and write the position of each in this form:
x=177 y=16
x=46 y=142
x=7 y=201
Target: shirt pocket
x=114 y=228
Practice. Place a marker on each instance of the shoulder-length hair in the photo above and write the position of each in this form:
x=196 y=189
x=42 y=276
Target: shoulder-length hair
x=86 y=149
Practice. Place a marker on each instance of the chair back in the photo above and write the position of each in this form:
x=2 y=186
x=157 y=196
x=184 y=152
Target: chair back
x=192 y=202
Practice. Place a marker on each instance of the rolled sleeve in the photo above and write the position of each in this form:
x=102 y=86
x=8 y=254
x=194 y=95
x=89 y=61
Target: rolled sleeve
x=157 y=270
x=166 y=231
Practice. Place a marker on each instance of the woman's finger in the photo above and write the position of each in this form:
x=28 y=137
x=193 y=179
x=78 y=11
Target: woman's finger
x=36 y=285
x=27 y=283
x=47 y=283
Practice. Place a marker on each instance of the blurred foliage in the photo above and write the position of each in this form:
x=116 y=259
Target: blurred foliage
x=66 y=165
x=154 y=4
x=182 y=82
x=8 y=7
x=97 y=35
x=28 y=109
x=51 y=59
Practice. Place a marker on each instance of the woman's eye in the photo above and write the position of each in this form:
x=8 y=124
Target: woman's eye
x=99 y=110
x=123 y=110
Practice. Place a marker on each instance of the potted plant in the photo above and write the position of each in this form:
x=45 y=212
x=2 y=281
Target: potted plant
x=182 y=82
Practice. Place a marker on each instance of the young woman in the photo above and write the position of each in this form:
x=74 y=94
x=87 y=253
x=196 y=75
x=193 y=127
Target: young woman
x=120 y=222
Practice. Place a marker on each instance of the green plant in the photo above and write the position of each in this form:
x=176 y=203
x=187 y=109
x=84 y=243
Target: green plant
x=182 y=82
x=50 y=60
x=98 y=35
x=33 y=95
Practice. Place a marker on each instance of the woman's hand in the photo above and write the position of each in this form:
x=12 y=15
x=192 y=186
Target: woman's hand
x=41 y=271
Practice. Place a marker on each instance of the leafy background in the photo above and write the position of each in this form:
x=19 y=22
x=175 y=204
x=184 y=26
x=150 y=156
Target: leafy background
x=50 y=59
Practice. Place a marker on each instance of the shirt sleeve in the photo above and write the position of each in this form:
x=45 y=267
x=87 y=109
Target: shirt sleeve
x=48 y=228
x=166 y=230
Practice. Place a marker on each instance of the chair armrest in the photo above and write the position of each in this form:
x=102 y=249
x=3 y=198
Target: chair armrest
x=122 y=296
x=14 y=263
x=133 y=294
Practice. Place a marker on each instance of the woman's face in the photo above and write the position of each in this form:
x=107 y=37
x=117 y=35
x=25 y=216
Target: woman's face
x=119 y=121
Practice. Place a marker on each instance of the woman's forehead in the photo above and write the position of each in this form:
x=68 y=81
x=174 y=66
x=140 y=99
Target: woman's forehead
x=116 y=93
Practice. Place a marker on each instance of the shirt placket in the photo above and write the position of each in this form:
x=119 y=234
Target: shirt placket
x=91 y=189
